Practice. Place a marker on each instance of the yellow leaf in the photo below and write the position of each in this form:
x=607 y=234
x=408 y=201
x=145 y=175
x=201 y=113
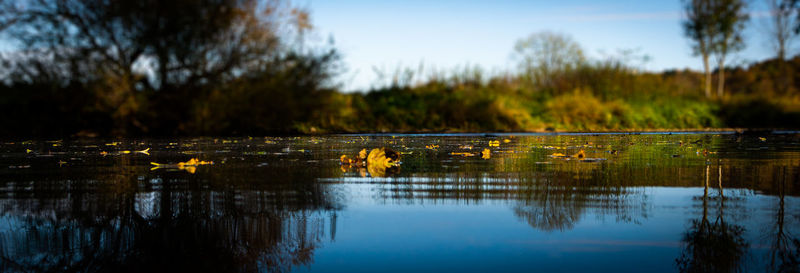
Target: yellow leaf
x=580 y=155
x=558 y=155
x=189 y=166
x=380 y=160
x=145 y=151
x=27 y=151
x=486 y=154
x=379 y=157
x=506 y=140
x=462 y=154
x=494 y=143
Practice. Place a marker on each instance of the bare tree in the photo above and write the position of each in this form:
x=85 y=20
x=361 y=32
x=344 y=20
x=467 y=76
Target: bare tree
x=782 y=23
x=794 y=4
x=545 y=55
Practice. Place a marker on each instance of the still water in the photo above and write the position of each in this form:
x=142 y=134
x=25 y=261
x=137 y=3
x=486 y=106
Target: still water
x=698 y=202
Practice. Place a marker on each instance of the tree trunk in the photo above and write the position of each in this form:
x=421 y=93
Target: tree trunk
x=721 y=80
x=708 y=75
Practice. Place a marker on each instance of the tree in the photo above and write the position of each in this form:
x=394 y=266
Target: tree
x=730 y=18
x=782 y=30
x=783 y=24
x=715 y=27
x=699 y=28
x=794 y=3
x=152 y=64
x=544 y=56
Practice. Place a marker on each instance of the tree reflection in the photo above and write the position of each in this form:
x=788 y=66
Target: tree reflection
x=128 y=220
x=784 y=254
x=712 y=246
x=558 y=202
x=548 y=206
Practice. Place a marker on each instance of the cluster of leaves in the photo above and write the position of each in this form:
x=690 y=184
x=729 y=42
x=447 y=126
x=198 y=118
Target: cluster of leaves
x=380 y=162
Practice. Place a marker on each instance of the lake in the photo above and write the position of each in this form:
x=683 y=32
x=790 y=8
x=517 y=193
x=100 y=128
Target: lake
x=649 y=202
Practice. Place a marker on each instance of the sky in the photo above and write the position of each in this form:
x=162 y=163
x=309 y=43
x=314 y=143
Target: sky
x=446 y=34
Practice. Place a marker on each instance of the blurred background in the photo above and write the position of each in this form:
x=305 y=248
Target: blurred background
x=254 y=67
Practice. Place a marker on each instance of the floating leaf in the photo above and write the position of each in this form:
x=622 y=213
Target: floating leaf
x=763 y=139
x=145 y=151
x=558 y=155
x=494 y=143
x=189 y=166
x=432 y=147
x=345 y=160
x=382 y=160
x=378 y=162
x=27 y=151
x=486 y=154
x=579 y=155
x=506 y=140
x=462 y=154
x=383 y=157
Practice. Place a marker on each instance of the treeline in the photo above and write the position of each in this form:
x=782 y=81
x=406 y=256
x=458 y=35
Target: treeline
x=155 y=67
x=246 y=67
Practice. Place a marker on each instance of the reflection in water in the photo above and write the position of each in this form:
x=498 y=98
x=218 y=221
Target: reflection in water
x=550 y=206
x=784 y=254
x=713 y=246
x=271 y=204
x=123 y=221
x=183 y=243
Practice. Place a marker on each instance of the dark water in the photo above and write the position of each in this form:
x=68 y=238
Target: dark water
x=634 y=203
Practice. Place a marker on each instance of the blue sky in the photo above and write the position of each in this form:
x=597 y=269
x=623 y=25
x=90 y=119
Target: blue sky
x=445 y=34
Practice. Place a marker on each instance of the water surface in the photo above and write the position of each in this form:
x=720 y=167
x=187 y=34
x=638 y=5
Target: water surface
x=720 y=202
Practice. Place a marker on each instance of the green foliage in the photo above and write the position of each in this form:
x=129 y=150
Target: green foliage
x=221 y=67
